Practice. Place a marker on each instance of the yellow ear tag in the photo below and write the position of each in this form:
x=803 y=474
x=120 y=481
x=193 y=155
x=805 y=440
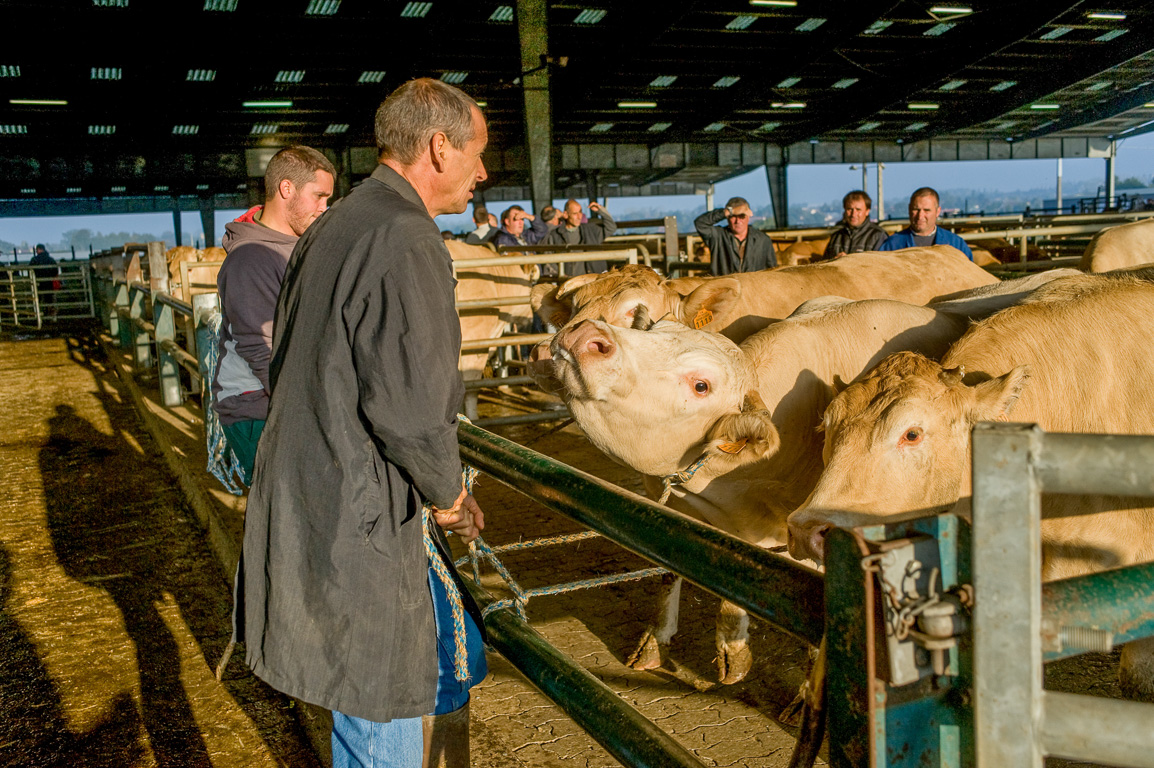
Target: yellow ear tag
x=703 y=318
x=732 y=448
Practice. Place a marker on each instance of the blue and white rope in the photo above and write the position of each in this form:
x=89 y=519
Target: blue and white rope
x=222 y=462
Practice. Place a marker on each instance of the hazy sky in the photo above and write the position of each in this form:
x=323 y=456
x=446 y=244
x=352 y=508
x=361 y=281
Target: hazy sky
x=808 y=184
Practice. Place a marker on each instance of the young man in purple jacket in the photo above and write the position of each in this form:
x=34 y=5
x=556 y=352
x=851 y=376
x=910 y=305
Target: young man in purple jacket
x=298 y=184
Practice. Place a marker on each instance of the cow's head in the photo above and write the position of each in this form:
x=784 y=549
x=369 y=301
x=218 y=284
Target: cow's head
x=656 y=398
x=897 y=446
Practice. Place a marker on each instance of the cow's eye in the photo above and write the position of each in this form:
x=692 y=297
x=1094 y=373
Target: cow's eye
x=701 y=387
x=912 y=436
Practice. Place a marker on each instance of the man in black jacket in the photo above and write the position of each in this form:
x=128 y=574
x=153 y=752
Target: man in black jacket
x=738 y=247
x=574 y=230
x=340 y=608
x=856 y=233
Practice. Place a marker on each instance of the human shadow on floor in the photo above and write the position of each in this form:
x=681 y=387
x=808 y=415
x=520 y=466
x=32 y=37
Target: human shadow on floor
x=33 y=727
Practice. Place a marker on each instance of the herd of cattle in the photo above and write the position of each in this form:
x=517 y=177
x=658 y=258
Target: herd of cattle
x=778 y=404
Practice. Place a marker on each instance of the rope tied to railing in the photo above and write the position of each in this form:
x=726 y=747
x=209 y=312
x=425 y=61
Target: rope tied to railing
x=680 y=478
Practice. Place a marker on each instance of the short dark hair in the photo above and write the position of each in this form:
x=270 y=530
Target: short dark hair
x=547 y=213
x=299 y=164
x=480 y=214
x=736 y=201
x=508 y=212
x=857 y=194
x=410 y=115
x=926 y=192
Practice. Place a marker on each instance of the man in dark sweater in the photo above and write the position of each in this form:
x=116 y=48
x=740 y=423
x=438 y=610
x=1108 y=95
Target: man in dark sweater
x=574 y=230
x=856 y=233
x=738 y=247
x=298 y=183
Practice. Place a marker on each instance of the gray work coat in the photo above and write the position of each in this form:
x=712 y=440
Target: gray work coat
x=362 y=428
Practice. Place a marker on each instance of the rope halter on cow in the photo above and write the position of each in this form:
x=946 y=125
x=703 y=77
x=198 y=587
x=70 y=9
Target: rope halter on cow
x=685 y=475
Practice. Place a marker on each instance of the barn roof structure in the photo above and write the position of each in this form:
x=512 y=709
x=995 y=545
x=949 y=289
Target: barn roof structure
x=127 y=104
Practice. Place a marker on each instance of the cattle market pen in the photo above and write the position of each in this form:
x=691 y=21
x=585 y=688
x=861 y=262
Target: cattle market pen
x=954 y=691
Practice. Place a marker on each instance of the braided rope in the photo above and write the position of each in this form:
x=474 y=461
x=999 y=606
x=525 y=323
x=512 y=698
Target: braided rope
x=222 y=462
x=680 y=478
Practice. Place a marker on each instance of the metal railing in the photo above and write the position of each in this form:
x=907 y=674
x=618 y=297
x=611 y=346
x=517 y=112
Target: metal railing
x=31 y=296
x=1016 y=722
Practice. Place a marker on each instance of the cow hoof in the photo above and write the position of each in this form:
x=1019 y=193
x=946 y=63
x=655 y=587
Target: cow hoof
x=734 y=665
x=648 y=654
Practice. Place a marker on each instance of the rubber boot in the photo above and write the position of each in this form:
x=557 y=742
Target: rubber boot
x=447 y=739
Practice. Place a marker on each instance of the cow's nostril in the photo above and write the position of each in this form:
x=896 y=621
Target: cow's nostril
x=602 y=347
x=818 y=537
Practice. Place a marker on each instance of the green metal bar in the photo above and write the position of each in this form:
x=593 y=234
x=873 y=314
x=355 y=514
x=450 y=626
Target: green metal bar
x=775 y=588
x=617 y=726
x=849 y=688
x=1120 y=600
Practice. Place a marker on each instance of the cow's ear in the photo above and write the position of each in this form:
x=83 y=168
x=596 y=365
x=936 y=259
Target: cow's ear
x=574 y=283
x=996 y=398
x=711 y=305
x=744 y=436
x=543 y=299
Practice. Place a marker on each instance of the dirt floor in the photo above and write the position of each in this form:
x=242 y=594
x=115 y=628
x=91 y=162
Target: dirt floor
x=114 y=610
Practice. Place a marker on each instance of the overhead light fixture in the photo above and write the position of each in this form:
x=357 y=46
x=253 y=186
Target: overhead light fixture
x=201 y=187
x=119 y=189
x=809 y=25
x=1055 y=33
x=220 y=5
x=789 y=82
x=1099 y=86
x=481 y=104
x=775 y=3
x=28 y=190
x=788 y=105
x=767 y=127
x=1005 y=125
x=72 y=190
x=201 y=75
x=725 y=82
x=741 y=22
x=13 y=130
x=1108 y=15
x=454 y=78
x=415 y=10
x=105 y=73
x=814 y=141
x=663 y=81
x=9 y=70
x=845 y=82
x=160 y=188
x=268 y=104
x=601 y=127
x=1111 y=35
x=877 y=26
x=713 y=127
x=939 y=29
x=263 y=129
x=101 y=130
x=1148 y=105
x=954 y=9
x=916 y=126
x=1045 y=106
x=335 y=128
x=1004 y=85
x=110 y=3
x=952 y=85
x=658 y=127
x=323 y=7
x=39 y=102
x=921 y=105
x=636 y=104
x=371 y=76
x=289 y=76
x=503 y=13
x=590 y=16
x=867 y=126
x=185 y=130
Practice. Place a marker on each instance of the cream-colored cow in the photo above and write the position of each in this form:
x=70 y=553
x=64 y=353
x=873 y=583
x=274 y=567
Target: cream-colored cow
x=1127 y=245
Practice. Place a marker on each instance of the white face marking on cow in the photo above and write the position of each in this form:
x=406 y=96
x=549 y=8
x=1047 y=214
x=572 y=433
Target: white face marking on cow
x=648 y=398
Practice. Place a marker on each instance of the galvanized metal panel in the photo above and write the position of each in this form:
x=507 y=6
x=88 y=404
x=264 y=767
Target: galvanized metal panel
x=1075 y=148
x=917 y=152
x=801 y=152
x=668 y=156
x=1023 y=150
x=858 y=152
x=729 y=153
x=596 y=156
x=1049 y=147
x=973 y=150
x=632 y=156
x=828 y=152
x=1000 y=150
x=1099 y=147
x=943 y=150
x=753 y=153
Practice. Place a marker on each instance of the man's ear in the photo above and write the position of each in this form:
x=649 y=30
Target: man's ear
x=438 y=146
x=285 y=189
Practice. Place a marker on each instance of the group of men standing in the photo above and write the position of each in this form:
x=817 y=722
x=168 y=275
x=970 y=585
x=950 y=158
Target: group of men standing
x=741 y=248
x=338 y=390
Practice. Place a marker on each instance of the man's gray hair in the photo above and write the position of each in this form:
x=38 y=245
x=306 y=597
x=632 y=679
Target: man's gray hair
x=736 y=201
x=409 y=117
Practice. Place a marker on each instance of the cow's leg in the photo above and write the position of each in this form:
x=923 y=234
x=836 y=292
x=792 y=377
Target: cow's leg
x=471 y=404
x=734 y=658
x=650 y=651
x=1136 y=670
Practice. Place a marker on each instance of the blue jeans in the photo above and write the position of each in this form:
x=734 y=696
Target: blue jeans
x=399 y=743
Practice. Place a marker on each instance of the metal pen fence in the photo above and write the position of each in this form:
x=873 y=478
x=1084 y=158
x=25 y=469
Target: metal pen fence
x=31 y=296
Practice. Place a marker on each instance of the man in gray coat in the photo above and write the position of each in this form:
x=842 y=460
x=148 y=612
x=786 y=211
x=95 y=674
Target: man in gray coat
x=339 y=608
x=856 y=233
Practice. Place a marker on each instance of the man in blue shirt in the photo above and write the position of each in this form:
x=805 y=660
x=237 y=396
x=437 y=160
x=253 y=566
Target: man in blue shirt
x=925 y=207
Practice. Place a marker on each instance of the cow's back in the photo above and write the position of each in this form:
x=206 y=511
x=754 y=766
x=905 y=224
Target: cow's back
x=1127 y=245
x=487 y=283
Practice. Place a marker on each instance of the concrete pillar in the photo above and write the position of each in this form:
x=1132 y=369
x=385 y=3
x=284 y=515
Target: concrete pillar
x=1110 y=158
x=208 y=220
x=176 y=221
x=533 y=32
x=779 y=193
x=1058 y=202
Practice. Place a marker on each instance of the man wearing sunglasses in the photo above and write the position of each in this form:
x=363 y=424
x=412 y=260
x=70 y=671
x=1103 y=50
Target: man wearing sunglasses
x=737 y=247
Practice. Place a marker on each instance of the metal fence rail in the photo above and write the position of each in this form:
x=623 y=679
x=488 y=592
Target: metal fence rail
x=1016 y=722
x=31 y=296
